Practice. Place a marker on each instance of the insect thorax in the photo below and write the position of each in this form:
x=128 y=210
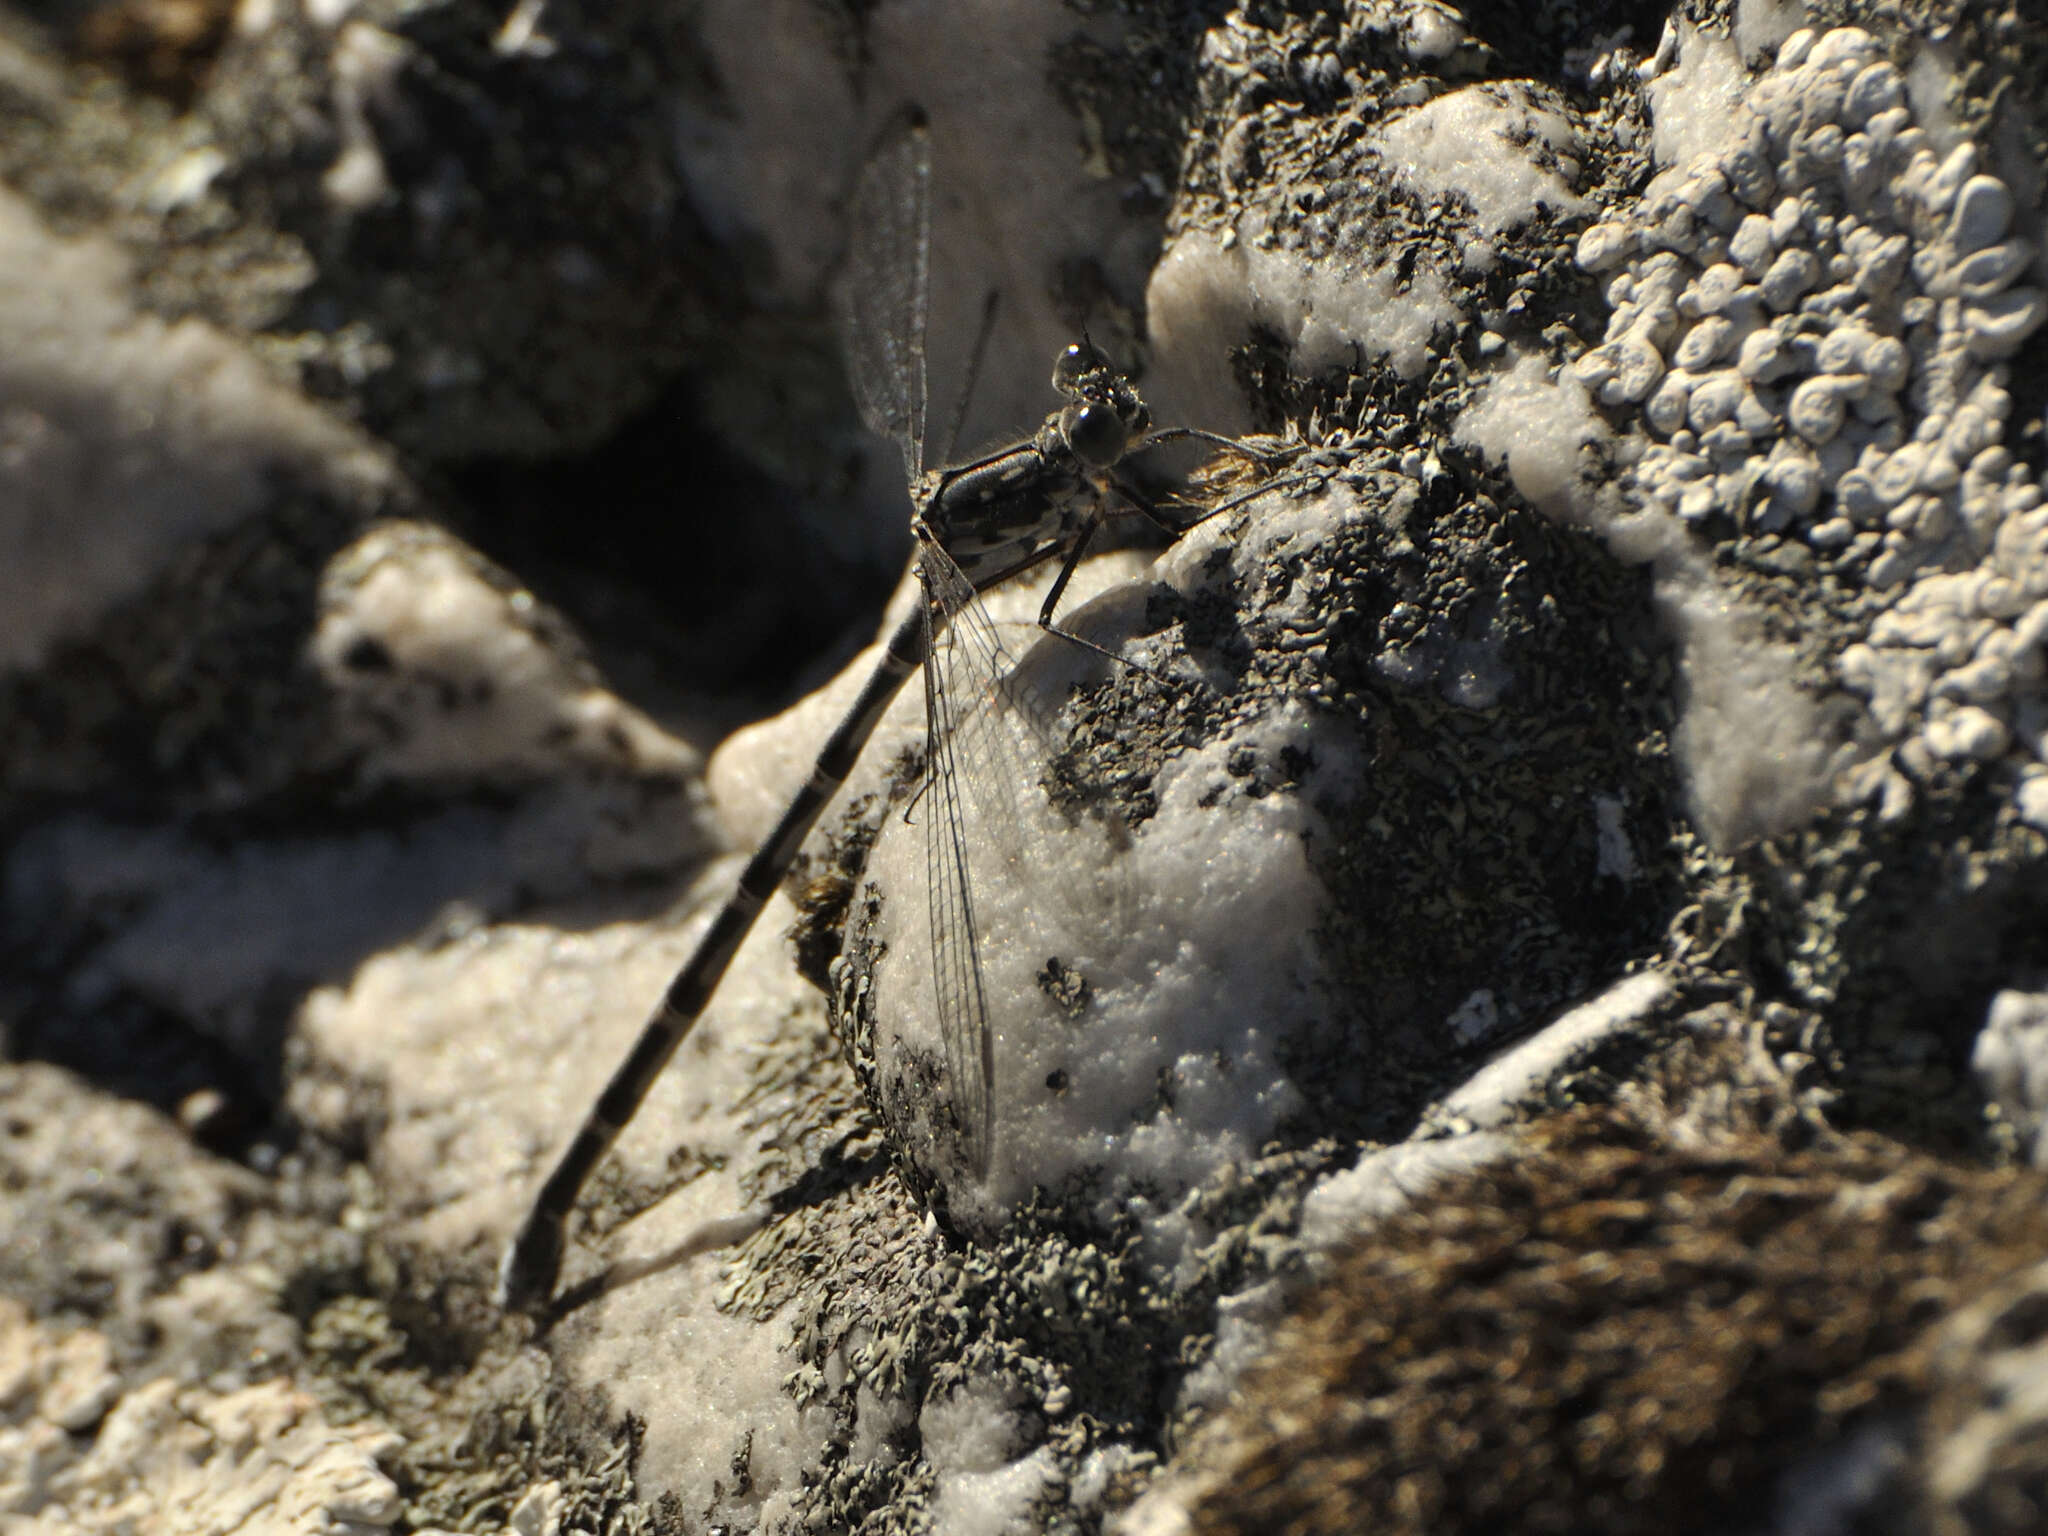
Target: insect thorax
x=993 y=515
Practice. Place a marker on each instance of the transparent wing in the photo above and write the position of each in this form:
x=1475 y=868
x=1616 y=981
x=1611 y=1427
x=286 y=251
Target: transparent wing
x=991 y=737
x=885 y=291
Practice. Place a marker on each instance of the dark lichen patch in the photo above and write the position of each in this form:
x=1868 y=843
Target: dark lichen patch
x=1068 y=988
x=479 y=1420
x=192 y=697
x=460 y=313
x=1898 y=936
x=1609 y=1333
x=1286 y=153
x=1512 y=822
x=888 y=1310
x=886 y=1307
x=1507 y=679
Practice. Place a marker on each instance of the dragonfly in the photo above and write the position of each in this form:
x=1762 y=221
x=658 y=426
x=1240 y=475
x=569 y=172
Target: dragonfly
x=974 y=527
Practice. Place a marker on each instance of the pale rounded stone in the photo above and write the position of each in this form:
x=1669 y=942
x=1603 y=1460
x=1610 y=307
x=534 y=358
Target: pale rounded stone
x=1711 y=292
x=1996 y=327
x=1988 y=271
x=1795 y=481
x=1940 y=191
x=1787 y=219
x=1816 y=409
x=1835 y=46
x=1862 y=168
x=1842 y=349
x=1751 y=246
x=1756 y=414
x=1935 y=521
x=1750 y=177
x=1983 y=681
x=1877 y=88
x=1983 y=211
x=1969 y=734
x=1764 y=357
x=1887 y=362
x=1714 y=399
x=1899 y=473
x=1605 y=245
x=1665 y=409
x=1704 y=343
x=1880 y=273
x=1790 y=275
x=1938 y=472
x=1856 y=495
x=1728 y=445
x=1637 y=367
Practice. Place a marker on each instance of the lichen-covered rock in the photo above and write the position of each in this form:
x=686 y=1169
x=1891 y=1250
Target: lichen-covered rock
x=1885 y=295
x=1387 y=605
x=162 y=1458
x=1613 y=682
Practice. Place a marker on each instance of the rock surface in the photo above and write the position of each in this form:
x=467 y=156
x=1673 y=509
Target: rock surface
x=1517 y=1003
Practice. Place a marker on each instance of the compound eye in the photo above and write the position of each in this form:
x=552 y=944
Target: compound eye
x=1075 y=365
x=1095 y=433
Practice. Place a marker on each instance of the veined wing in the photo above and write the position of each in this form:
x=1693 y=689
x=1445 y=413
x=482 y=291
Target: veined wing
x=885 y=292
x=996 y=917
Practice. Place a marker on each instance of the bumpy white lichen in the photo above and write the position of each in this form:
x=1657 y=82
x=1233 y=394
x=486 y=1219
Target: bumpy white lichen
x=2010 y=1060
x=1813 y=320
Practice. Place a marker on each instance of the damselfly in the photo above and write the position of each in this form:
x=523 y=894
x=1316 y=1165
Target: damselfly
x=975 y=526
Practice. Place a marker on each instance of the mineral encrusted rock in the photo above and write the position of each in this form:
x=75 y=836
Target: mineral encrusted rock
x=1554 y=1036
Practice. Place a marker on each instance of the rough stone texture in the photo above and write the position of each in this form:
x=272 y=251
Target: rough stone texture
x=1572 y=815
x=1609 y=1334
x=162 y=1458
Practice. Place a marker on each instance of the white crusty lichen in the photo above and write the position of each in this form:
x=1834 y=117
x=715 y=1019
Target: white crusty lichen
x=1813 y=319
x=81 y=1457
